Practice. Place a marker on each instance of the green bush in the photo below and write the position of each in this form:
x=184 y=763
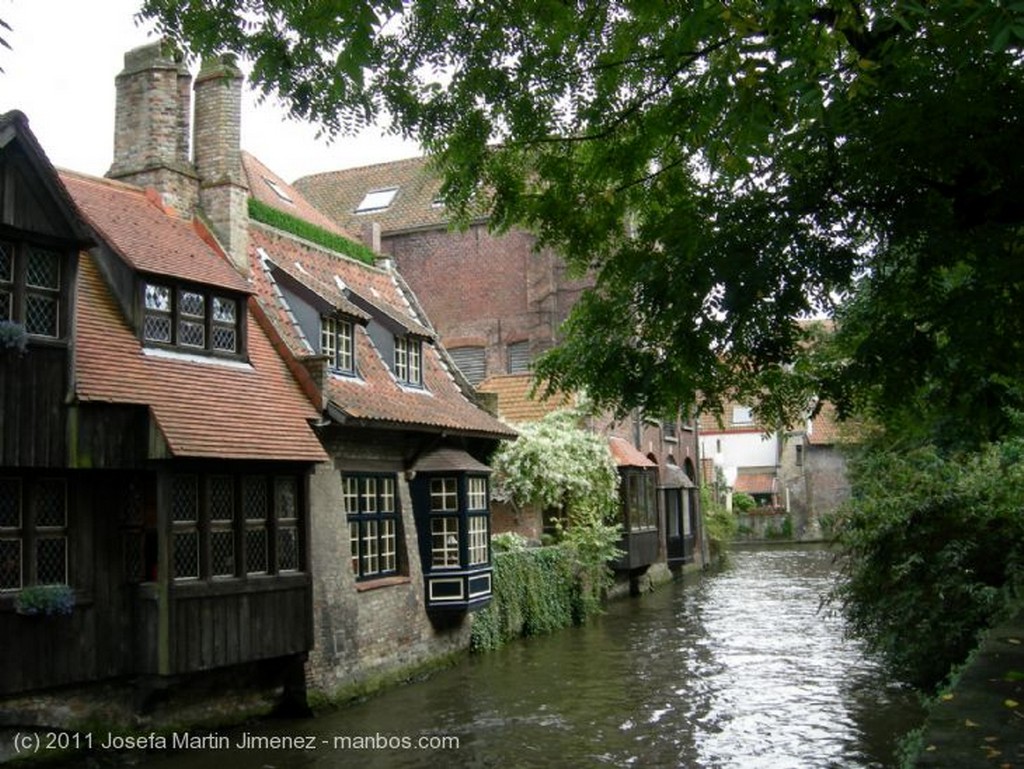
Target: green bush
x=720 y=526
x=536 y=591
x=742 y=502
x=932 y=548
x=261 y=212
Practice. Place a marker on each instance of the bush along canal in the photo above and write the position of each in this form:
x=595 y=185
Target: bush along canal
x=736 y=668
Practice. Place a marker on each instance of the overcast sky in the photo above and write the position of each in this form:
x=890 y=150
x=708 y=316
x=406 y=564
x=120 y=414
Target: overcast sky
x=60 y=73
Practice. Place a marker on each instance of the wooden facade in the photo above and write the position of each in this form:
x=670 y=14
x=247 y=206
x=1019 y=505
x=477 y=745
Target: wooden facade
x=179 y=561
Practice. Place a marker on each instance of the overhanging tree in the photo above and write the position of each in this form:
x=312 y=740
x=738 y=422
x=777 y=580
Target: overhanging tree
x=721 y=168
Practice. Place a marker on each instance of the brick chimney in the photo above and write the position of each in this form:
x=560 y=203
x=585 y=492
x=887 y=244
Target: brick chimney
x=151 y=124
x=223 y=192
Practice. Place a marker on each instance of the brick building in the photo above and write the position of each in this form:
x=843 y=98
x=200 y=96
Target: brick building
x=497 y=302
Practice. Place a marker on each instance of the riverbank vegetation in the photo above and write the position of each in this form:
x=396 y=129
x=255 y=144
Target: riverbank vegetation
x=933 y=549
x=537 y=590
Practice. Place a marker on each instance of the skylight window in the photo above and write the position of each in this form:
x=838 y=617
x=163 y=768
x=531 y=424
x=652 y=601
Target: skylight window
x=377 y=200
x=279 y=190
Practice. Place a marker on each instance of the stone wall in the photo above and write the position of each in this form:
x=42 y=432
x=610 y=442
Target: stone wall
x=371 y=630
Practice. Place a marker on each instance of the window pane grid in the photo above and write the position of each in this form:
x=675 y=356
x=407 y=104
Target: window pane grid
x=401 y=358
x=190 y=318
x=50 y=496
x=186 y=554
x=42 y=269
x=444 y=494
x=477 y=493
x=10 y=564
x=370 y=543
x=256 y=550
x=10 y=503
x=388 y=546
x=345 y=339
x=41 y=314
x=477 y=540
x=6 y=262
x=288 y=548
x=444 y=542
x=370 y=505
x=222 y=553
x=350 y=495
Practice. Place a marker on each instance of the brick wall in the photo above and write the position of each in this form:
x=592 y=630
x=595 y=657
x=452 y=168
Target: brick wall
x=151 y=125
x=483 y=289
x=361 y=633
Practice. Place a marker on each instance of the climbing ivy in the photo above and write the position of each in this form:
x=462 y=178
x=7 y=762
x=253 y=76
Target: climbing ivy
x=535 y=591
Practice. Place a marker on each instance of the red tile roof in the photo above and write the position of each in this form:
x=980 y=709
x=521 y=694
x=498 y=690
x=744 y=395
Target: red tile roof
x=374 y=396
x=755 y=483
x=338 y=193
x=137 y=227
x=626 y=455
x=262 y=182
x=203 y=407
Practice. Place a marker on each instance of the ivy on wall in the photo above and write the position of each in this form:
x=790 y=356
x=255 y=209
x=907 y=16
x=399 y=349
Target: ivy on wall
x=536 y=591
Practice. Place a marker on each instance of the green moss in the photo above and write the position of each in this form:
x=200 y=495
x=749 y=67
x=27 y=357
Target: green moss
x=261 y=212
x=321 y=702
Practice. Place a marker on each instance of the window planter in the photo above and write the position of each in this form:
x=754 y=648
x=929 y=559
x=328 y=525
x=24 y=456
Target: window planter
x=45 y=601
x=13 y=336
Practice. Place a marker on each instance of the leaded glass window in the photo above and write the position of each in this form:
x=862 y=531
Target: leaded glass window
x=255 y=507
x=192 y=318
x=287 y=508
x=185 y=526
x=33 y=532
x=42 y=292
x=31 y=287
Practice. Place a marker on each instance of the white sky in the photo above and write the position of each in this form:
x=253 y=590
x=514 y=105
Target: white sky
x=60 y=73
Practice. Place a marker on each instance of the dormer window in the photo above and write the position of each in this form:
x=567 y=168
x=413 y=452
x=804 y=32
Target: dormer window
x=31 y=283
x=337 y=342
x=195 y=319
x=409 y=360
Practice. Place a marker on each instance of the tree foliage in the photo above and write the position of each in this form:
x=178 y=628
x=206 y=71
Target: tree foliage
x=720 y=168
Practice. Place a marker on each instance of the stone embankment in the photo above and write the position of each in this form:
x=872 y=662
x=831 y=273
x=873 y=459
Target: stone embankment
x=980 y=722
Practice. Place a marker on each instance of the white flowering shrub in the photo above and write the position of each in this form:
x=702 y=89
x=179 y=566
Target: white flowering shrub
x=555 y=464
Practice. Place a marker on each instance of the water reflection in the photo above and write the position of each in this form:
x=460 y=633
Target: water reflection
x=737 y=669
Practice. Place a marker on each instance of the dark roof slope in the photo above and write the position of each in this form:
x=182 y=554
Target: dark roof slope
x=339 y=193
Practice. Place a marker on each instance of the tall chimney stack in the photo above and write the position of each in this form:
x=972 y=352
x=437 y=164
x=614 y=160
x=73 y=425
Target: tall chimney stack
x=223 y=192
x=151 y=125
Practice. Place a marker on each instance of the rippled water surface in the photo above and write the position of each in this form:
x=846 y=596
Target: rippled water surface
x=734 y=669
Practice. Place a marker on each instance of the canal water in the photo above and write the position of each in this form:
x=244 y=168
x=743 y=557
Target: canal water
x=737 y=668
